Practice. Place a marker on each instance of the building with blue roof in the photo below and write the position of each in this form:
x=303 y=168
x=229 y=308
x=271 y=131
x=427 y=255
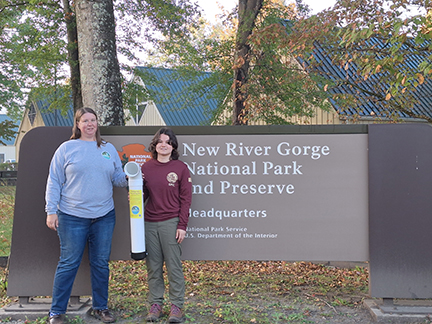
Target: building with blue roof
x=37 y=114
x=171 y=103
x=172 y=99
x=368 y=107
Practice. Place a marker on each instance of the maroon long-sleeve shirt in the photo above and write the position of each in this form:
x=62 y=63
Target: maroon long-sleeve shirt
x=168 y=188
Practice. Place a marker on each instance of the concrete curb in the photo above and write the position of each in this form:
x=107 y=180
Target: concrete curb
x=402 y=311
x=39 y=307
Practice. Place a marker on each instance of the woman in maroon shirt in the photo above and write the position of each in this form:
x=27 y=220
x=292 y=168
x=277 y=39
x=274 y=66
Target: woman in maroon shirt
x=168 y=191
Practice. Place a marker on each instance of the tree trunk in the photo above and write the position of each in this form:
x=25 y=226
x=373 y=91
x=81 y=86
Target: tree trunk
x=100 y=72
x=247 y=13
x=72 y=37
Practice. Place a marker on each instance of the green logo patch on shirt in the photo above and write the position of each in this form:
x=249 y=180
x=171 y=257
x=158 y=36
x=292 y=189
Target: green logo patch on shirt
x=106 y=155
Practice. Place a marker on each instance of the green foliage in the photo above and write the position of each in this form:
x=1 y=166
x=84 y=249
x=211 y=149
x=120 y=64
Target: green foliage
x=32 y=50
x=55 y=97
x=277 y=87
x=8 y=166
x=33 y=45
x=7 y=131
x=167 y=17
x=7 y=201
x=140 y=26
x=386 y=43
x=38 y=321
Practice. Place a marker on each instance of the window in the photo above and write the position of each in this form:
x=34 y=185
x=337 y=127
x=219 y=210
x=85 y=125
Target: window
x=32 y=113
x=141 y=107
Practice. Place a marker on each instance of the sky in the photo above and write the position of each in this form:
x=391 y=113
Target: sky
x=211 y=7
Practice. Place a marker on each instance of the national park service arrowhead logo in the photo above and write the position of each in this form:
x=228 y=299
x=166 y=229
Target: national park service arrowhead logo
x=134 y=152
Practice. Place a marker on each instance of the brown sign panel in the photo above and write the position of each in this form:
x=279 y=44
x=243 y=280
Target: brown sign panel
x=35 y=248
x=400 y=207
x=260 y=193
x=274 y=196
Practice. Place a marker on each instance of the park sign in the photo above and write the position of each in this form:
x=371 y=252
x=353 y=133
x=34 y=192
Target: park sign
x=272 y=196
x=294 y=193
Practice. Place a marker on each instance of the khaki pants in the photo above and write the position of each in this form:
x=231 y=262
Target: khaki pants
x=162 y=246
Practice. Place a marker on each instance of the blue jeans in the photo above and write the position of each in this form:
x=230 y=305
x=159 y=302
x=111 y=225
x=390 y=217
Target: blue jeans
x=74 y=233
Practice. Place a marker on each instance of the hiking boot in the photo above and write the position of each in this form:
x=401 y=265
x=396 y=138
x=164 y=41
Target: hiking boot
x=104 y=315
x=55 y=319
x=155 y=313
x=176 y=315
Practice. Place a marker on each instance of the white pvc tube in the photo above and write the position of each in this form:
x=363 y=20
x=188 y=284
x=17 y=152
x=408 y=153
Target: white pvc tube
x=138 y=248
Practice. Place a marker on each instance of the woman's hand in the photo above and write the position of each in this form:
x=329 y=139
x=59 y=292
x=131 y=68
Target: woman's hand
x=52 y=221
x=180 y=235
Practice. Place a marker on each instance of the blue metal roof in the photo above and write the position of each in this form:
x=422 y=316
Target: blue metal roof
x=367 y=105
x=177 y=103
x=3 y=118
x=55 y=117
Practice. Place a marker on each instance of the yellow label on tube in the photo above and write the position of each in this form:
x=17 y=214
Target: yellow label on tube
x=135 y=203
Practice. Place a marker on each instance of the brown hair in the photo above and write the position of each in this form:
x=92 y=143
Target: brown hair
x=76 y=132
x=172 y=141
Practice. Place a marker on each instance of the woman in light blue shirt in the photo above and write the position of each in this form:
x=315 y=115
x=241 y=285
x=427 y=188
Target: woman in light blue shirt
x=80 y=207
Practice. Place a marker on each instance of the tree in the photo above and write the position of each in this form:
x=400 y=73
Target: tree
x=141 y=25
x=385 y=45
x=99 y=68
x=73 y=59
x=7 y=131
x=35 y=44
x=28 y=58
x=247 y=14
x=269 y=85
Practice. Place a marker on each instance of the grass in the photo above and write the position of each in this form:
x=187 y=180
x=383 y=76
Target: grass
x=7 y=201
x=226 y=291
x=247 y=291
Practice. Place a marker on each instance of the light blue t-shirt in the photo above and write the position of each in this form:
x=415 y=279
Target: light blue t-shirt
x=81 y=179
